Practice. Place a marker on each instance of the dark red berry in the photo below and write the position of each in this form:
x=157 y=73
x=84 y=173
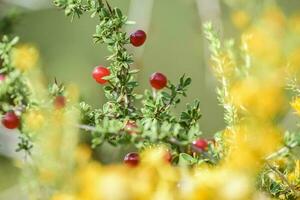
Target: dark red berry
x=158 y=80
x=99 y=73
x=2 y=77
x=10 y=120
x=138 y=38
x=59 y=102
x=131 y=127
x=201 y=144
x=132 y=159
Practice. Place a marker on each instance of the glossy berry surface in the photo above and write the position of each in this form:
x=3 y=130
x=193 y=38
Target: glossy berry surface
x=201 y=144
x=10 y=120
x=59 y=102
x=158 y=80
x=132 y=159
x=99 y=73
x=138 y=38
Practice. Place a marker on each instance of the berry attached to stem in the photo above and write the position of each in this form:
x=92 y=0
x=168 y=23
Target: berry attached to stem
x=138 y=38
x=59 y=102
x=99 y=73
x=201 y=144
x=10 y=120
x=158 y=81
x=132 y=159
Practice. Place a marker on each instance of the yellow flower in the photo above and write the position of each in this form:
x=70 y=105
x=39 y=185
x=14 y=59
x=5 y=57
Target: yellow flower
x=34 y=120
x=25 y=57
x=274 y=18
x=240 y=18
x=256 y=97
x=264 y=47
x=296 y=105
x=294 y=177
x=63 y=196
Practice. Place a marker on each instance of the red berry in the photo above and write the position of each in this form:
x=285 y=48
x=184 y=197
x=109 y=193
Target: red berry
x=132 y=159
x=131 y=127
x=168 y=157
x=10 y=120
x=2 y=77
x=158 y=80
x=138 y=38
x=59 y=102
x=99 y=73
x=201 y=144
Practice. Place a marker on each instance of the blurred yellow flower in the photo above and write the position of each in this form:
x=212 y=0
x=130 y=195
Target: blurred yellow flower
x=296 y=105
x=294 y=177
x=240 y=18
x=257 y=97
x=33 y=120
x=264 y=47
x=274 y=19
x=63 y=196
x=25 y=57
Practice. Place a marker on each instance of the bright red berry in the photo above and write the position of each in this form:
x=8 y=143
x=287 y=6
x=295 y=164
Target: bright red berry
x=201 y=144
x=99 y=73
x=132 y=159
x=138 y=38
x=158 y=80
x=59 y=102
x=10 y=120
x=131 y=127
x=2 y=77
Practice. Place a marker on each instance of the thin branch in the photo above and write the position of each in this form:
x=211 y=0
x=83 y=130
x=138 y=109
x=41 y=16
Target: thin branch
x=281 y=176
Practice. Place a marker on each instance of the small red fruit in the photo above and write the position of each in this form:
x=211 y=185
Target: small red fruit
x=10 y=120
x=2 y=77
x=158 y=80
x=99 y=73
x=138 y=38
x=131 y=127
x=59 y=102
x=201 y=144
x=132 y=159
x=168 y=157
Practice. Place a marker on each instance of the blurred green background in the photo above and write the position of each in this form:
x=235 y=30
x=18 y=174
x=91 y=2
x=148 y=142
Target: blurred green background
x=175 y=46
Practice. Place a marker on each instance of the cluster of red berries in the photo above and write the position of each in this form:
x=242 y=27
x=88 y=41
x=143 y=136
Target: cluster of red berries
x=157 y=80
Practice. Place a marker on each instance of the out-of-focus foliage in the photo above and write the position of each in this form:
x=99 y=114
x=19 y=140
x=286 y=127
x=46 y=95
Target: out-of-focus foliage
x=252 y=158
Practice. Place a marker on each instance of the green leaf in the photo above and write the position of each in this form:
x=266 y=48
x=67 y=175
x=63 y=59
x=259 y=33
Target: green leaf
x=186 y=160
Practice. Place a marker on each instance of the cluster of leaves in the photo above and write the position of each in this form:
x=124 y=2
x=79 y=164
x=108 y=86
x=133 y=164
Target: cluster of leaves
x=14 y=90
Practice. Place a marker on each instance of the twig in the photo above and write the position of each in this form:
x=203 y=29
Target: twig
x=281 y=176
x=281 y=151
